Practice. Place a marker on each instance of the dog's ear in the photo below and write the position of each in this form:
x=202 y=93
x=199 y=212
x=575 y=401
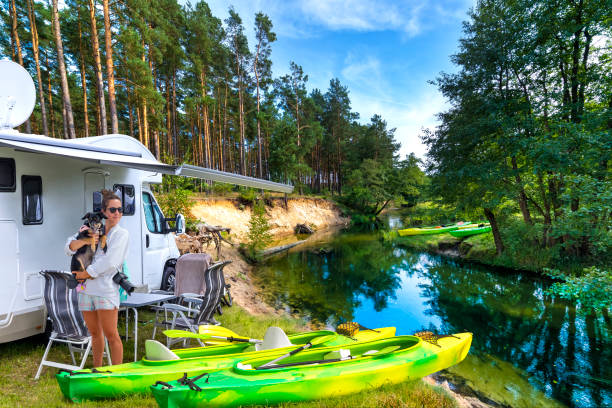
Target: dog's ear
x=102 y=216
x=86 y=216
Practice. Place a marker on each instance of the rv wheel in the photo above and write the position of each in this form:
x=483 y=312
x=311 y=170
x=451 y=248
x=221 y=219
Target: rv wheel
x=168 y=278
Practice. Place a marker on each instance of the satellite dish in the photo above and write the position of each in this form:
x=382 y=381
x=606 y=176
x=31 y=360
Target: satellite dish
x=17 y=94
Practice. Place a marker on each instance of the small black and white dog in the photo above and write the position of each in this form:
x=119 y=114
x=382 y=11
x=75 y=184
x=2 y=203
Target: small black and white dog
x=84 y=255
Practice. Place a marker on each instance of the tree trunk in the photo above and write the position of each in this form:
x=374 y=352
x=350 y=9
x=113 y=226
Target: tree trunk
x=130 y=114
x=110 y=69
x=522 y=197
x=259 y=166
x=168 y=149
x=205 y=118
x=140 y=127
x=228 y=153
x=154 y=84
x=220 y=137
x=145 y=124
x=175 y=137
x=240 y=115
x=62 y=70
x=102 y=124
x=41 y=93
x=83 y=83
x=499 y=245
x=28 y=126
x=50 y=90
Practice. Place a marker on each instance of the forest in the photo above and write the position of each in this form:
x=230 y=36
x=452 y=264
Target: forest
x=192 y=89
x=525 y=143
x=527 y=139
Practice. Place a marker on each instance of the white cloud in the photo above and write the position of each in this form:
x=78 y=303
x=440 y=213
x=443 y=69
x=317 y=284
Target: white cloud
x=363 y=15
x=408 y=118
x=364 y=71
x=306 y=18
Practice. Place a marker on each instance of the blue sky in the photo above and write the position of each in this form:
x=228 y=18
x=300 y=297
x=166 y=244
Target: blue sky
x=384 y=51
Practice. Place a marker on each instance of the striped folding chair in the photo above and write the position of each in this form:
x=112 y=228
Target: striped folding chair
x=68 y=326
x=208 y=301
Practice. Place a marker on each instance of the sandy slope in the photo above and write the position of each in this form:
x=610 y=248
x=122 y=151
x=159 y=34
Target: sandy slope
x=228 y=213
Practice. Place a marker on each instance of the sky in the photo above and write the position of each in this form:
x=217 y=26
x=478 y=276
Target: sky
x=383 y=51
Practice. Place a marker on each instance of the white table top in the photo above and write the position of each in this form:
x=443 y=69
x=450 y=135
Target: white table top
x=145 y=299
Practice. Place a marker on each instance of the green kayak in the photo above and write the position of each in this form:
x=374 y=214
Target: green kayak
x=315 y=374
x=136 y=377
x=469 y=231
x=433 y=230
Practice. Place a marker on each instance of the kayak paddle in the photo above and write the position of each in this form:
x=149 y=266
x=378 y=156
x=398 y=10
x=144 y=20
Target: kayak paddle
x=313 y=342
x=188 y=334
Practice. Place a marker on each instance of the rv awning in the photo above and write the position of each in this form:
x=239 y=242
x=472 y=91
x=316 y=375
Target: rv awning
x=134 y=160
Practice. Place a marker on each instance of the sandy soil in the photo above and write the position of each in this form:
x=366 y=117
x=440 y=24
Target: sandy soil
x=317 y=213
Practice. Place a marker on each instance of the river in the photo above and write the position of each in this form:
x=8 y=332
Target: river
x=529 y=350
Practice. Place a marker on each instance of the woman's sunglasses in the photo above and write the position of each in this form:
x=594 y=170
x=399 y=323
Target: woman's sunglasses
x=113 y=209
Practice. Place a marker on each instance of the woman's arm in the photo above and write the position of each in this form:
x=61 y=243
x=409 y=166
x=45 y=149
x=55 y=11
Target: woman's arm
x=111 y=261
x=72 y=245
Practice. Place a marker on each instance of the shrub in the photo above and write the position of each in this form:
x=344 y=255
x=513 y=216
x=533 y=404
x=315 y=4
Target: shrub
x=259 y=236
x=178 y=201
x=247 y=196
x=592 y=290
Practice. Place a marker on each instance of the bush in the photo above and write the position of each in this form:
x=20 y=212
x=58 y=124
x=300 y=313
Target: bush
x=524 y=248
x=247 y=196
x=592 y=290
x=258 y=237
x=222 y=188
x=178 y=201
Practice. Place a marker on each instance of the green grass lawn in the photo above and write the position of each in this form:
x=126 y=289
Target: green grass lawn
x=19 y=361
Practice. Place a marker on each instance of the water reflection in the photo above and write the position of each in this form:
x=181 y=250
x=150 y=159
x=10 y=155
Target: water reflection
x=358 y=277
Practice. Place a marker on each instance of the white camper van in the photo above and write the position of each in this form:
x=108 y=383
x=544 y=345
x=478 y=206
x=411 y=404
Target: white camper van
x=47 y=185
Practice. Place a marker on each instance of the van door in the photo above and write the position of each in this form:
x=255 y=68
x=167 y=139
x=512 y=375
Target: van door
x=95 y=180
x=9 y=254
x=154 y=244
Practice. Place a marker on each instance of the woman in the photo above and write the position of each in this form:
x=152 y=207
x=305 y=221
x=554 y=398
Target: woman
x=99 y=300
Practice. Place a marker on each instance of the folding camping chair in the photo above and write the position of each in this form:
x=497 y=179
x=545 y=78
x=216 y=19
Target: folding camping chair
x=68 y=326
x=208 y=298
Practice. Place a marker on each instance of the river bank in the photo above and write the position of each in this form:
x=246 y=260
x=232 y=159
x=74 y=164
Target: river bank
x=325 y=217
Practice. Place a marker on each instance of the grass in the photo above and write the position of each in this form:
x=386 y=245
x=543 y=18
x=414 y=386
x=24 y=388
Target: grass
x=19 y=361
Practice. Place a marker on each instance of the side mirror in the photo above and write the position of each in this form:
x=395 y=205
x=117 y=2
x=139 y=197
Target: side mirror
x=179 y=224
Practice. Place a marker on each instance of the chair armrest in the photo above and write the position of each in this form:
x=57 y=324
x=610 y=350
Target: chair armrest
x=191 y=295
x=197 y=301
x=161 y=292
x=172 y=307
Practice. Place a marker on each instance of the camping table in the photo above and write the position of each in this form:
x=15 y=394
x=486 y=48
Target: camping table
x=136 y=300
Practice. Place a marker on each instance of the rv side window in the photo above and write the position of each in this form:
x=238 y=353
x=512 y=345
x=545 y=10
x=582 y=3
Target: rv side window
x=7 y=175
x=127 y=194
x=31 y=199
x=153 y=215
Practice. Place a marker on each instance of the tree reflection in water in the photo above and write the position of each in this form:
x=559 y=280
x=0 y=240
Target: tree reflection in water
x=566 y=355
x=327 y=285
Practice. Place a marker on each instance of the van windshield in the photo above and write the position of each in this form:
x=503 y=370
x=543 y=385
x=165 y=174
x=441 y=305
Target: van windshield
x=153 y=215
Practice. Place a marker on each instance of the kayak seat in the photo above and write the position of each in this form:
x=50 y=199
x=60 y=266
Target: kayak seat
x=340 y=354
x=275 y=337
x=155 y=351
x=382 y=352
